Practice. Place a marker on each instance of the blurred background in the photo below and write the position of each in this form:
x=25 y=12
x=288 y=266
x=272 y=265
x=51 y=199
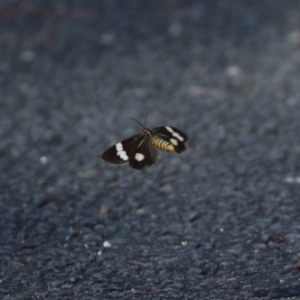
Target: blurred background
x=71 y=74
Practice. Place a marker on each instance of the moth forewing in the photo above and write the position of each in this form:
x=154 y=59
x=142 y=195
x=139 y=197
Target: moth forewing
x=145 y=155
x=122 y=152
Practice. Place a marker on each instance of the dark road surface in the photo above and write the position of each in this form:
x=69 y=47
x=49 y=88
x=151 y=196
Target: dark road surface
x=220 y=220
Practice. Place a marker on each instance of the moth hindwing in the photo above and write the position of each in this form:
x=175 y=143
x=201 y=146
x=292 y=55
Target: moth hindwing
x=140 y=150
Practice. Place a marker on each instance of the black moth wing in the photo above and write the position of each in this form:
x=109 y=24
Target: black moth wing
x=129 y=146
x=168 y=133
x=145 y=155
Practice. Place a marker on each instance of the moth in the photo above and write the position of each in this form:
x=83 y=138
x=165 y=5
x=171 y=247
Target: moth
x=140 y=150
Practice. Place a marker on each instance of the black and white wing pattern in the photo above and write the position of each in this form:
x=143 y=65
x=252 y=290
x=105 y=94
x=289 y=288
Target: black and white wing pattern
x=122 y=152
x=171 y=135
x=140 y=150
x=145 y=155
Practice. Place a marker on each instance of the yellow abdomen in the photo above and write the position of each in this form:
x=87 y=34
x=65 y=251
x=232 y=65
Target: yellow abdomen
x=161 y=144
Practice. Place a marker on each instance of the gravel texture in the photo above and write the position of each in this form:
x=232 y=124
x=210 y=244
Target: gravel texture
x=219 y=221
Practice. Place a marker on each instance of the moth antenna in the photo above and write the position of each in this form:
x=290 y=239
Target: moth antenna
x=137 y=122
x=146 y=120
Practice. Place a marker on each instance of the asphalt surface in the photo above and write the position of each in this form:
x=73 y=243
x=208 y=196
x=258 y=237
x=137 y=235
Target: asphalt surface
x=220 y=220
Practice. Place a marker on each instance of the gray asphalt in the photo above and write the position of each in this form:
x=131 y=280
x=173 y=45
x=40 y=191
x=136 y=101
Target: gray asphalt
x=218 y=221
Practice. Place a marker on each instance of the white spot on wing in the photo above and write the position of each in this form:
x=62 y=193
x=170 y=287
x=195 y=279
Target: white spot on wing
x=169 y=129
x=120 y=152
x=174 y=142
x=139 y=156
x=119 y=147
x=175 y=134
